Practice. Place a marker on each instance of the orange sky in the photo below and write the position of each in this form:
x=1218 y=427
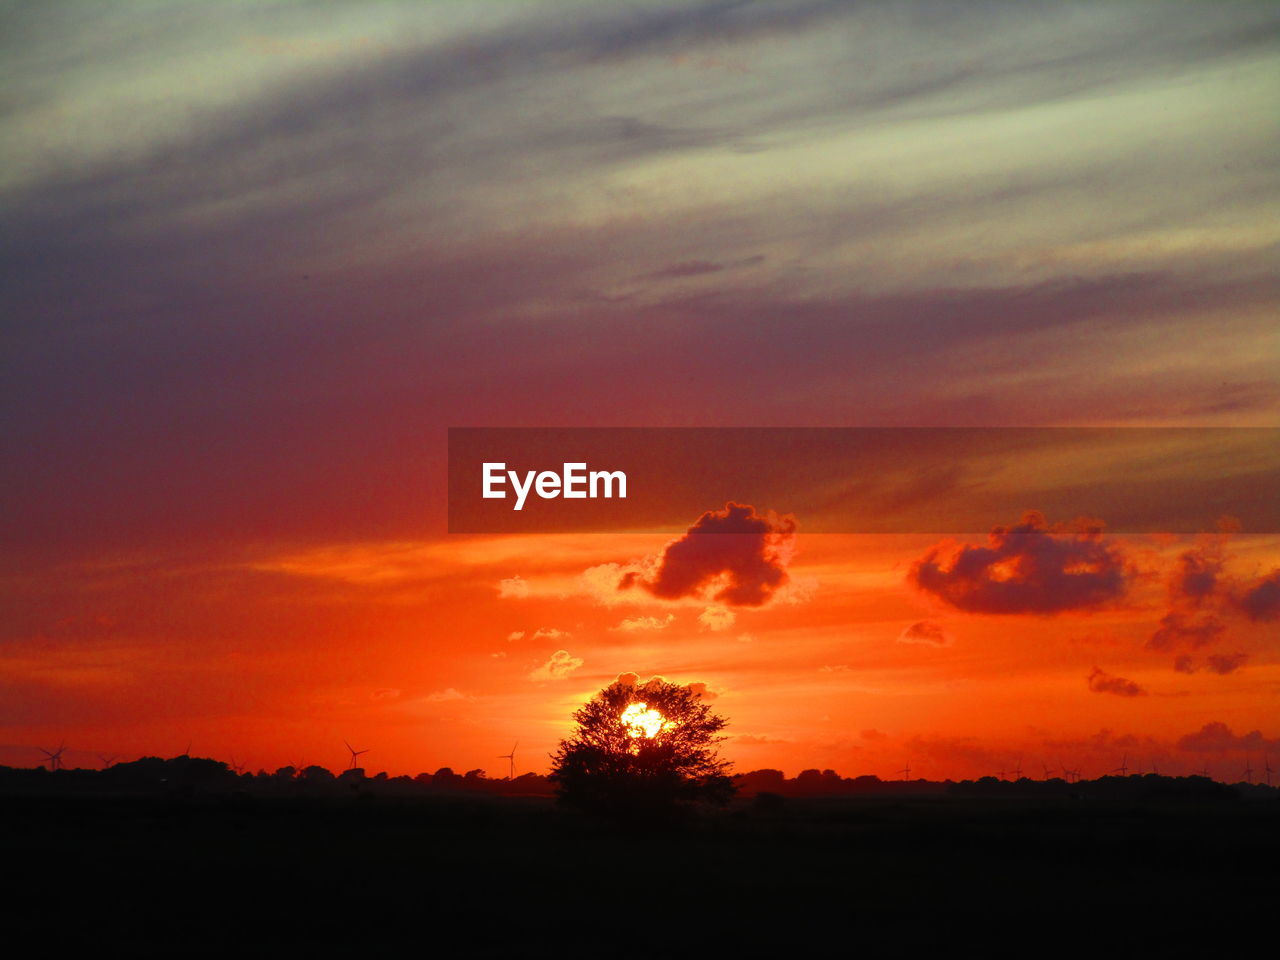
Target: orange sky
x=442 y=652
x=256 y=268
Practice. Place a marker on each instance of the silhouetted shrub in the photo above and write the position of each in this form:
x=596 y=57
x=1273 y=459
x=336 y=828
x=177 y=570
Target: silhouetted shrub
x=642 y=751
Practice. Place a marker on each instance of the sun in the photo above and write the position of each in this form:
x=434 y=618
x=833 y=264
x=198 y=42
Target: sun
x=642 y=721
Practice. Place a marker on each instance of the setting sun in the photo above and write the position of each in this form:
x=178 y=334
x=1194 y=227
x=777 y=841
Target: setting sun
x=641 y=720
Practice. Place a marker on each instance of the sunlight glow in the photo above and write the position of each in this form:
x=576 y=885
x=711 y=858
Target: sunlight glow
x=640 y=720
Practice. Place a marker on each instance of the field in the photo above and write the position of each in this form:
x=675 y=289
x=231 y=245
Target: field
x=503 y=877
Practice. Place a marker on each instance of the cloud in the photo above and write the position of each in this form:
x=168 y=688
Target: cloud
x=442 y=696
x=872 y=734
x=1179 y=630
x=1220 y=663
x=561 y=664
x=513 y=588
x=698 y=687
x=1199 y=597
x=600 y=583
x=1027 y=568
x=699 y=268
x=515 y=635
x=1262 y=600
x=750 y=740
x=386 y=693
x=1217 y=737
x=644 y=623
x=925 y=631
x=1225 y=662
x=705 y=692
x=689 y=268
x=735 y=556
x=1102 y=682
x=1196 y=576
x=716 y=618
x=837 y=668
x=549 y=633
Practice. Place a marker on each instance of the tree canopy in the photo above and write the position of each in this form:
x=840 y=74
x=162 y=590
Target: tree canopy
x=643 y=749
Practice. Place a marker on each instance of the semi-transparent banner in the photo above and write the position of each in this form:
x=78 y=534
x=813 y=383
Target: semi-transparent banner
x=864 y=479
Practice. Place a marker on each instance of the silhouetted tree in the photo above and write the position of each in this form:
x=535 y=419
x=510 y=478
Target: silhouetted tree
x=643 y=750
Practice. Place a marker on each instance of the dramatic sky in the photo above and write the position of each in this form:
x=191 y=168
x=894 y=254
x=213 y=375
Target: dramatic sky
x=256 y=259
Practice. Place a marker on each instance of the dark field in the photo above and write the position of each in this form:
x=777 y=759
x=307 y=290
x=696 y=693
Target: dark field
x=477 y=877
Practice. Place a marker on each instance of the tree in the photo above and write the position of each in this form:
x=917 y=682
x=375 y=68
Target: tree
x=643 y=750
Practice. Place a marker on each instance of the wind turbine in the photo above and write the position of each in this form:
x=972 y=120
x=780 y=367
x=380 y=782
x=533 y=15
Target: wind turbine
x=906 y=772
x=1000 y=773
x=237 y=767
x=1248 y=770
x=1123 y=769
x=1266 y=766
x=107 y=762
x=1204 y=772
x=1017 y=769
x=511 y=768
x=355 y=754
x=1047 y=771
x=1154 y=768
x=54 y=756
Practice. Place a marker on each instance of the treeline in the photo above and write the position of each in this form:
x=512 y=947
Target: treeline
x=201 y=775
x=186 y=774
x=1151 y=786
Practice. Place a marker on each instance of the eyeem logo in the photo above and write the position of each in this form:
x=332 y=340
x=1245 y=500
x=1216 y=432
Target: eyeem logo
x=573 y=482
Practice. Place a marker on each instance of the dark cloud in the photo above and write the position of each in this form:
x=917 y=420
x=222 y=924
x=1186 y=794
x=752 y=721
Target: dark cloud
x=1225 y=662
x=1220 y=663
x=1200 y=596
x=734 y=555
x=1102 y=682
x=925 y=631
x=1262 y=600
x=1030 y=567
x=1217 y=737
x=1180 y=630
x=1196 y=576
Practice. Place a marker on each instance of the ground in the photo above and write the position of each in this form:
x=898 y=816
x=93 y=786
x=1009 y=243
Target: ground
x=501 y=877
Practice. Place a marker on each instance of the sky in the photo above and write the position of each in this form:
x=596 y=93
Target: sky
x=257 y=258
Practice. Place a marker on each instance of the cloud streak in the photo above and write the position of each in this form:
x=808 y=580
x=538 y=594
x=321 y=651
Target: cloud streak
x=927 y=632
x=1102 y=682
